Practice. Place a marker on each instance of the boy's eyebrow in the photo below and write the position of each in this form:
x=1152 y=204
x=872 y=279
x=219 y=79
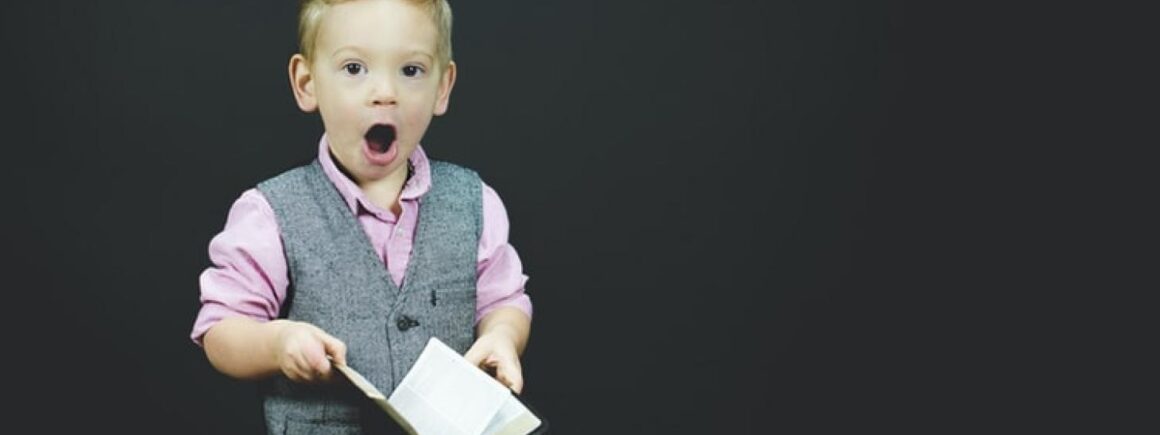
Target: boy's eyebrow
x=339 y=50
x=423 y=53
x=358 y=50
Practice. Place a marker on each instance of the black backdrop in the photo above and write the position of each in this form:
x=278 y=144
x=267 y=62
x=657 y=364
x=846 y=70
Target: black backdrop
x=733 y=213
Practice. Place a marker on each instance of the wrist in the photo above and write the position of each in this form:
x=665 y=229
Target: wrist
x=504 y=337
x=276 y=336
x=508 y=324
x=501 y=332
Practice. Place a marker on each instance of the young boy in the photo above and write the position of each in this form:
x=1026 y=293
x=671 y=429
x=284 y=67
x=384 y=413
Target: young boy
x=361 y=256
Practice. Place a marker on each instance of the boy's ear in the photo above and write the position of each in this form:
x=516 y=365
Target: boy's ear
x=446 y=82
x=302 y=83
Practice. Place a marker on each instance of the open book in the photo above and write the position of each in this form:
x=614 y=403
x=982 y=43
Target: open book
x=445 y=394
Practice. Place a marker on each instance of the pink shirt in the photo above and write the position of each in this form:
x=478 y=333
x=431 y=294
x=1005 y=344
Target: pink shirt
x=249 y=275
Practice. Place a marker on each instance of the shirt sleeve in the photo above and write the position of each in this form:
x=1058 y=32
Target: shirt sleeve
x=499 y=273
x=248 y=276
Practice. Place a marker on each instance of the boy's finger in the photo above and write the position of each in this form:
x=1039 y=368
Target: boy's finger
x=508 y=373
x=474 y=355
x=306 y=375
x=321 y=365
x=301 y=370
x=317 y=367
x=334 y=347
x=303 y=364
x=313 y=357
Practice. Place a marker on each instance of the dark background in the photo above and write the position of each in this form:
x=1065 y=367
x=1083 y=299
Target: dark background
x=737 y=216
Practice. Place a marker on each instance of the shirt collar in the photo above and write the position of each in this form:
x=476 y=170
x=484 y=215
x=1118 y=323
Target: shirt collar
x=354 y=197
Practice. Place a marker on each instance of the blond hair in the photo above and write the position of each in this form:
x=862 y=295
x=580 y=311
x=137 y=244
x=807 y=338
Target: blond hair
x=310 y=15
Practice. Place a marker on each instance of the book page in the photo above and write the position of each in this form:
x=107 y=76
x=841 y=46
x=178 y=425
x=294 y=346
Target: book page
x=444 y=393
x=375 y=395
x=359 y=381
x=513 y=418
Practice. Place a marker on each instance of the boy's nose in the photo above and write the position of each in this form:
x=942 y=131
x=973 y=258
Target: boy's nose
x=382 y=92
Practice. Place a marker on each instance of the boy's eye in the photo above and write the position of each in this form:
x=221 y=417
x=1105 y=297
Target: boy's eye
x=353 y=69
x=412 y=70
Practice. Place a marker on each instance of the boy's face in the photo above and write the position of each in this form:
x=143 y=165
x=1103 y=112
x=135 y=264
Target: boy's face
x=376 y=81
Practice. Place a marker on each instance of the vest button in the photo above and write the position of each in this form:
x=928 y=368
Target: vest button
x=404 y=323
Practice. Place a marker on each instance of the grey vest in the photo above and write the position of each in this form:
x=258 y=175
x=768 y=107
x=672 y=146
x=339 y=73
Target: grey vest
x=338 y=283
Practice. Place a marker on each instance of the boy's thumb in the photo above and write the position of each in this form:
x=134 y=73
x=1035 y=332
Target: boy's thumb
x=334 y=347
x=474 y=355
x=510 y=376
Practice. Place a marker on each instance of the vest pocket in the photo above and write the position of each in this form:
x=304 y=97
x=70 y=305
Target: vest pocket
x=458 y=295
x=452 y=317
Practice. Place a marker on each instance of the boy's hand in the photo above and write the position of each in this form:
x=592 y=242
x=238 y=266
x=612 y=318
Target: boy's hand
x=495 y=353
x=303 y=350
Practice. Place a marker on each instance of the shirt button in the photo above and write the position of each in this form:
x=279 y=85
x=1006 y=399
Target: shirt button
x=404 y=323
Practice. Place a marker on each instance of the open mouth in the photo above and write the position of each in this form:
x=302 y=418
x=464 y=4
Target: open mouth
x=380 y=137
